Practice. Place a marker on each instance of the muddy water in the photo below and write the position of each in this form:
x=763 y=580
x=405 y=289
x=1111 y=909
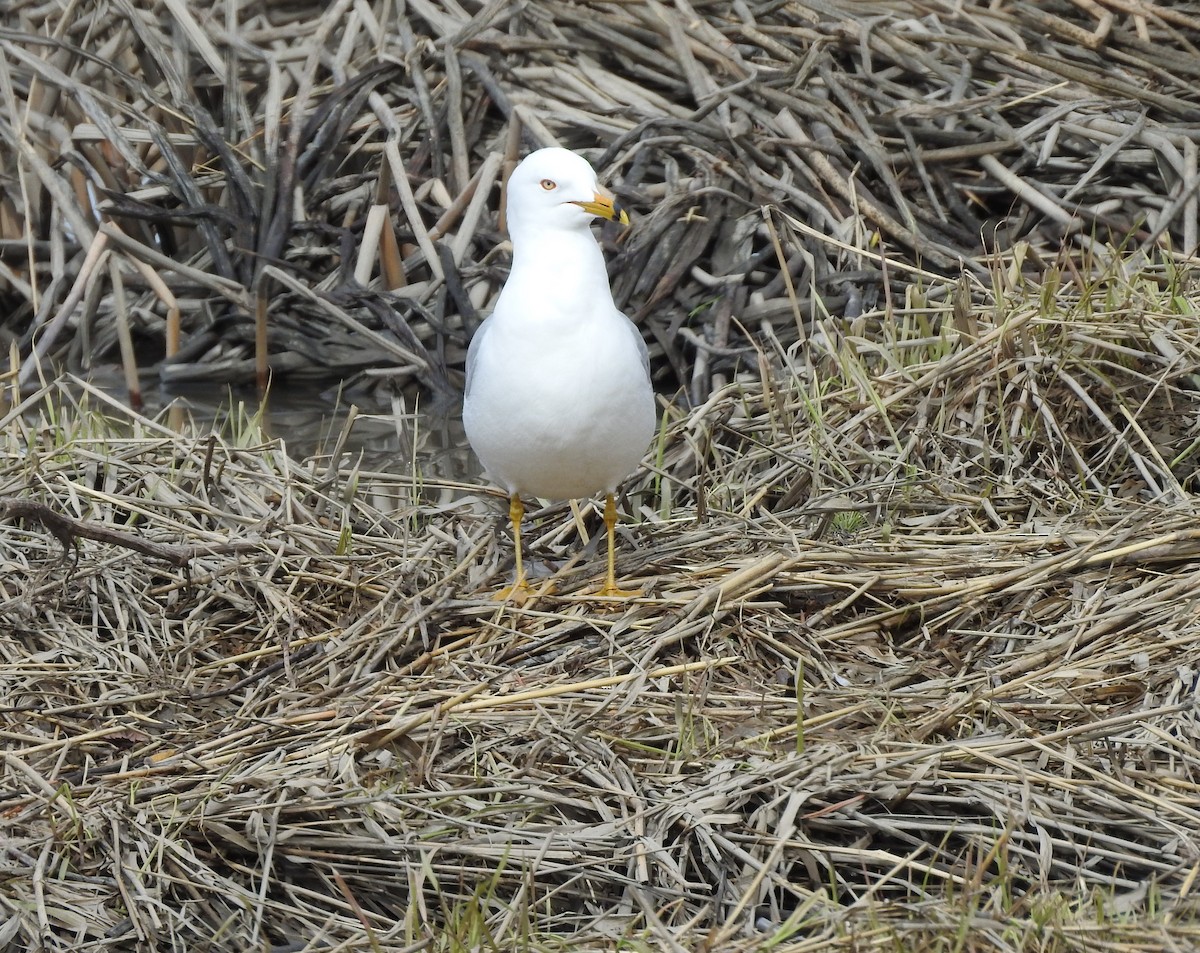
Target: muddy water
x=410 y=433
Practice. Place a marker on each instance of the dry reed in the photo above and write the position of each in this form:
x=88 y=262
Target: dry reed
x=916 y=663
x=917 y=655
x=323 y=179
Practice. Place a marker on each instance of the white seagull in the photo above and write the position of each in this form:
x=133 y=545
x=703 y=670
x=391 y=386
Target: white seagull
x=558 y=402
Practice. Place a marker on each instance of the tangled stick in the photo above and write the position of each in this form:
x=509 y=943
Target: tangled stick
x=68 y=531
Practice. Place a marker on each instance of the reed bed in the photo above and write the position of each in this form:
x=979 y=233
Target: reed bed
x=313 y=188
x=915 y=663
x=914 y=667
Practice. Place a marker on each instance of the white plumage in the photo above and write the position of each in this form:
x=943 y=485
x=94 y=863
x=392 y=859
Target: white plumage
x=558 y=400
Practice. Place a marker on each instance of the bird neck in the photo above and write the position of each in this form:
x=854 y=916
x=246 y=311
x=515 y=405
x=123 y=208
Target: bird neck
x=564 y=268
x=570 y=248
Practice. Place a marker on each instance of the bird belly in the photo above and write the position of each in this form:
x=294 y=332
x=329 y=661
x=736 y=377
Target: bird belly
x=564 y=427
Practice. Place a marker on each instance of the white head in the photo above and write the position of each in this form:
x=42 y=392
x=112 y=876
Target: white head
x=556 y=189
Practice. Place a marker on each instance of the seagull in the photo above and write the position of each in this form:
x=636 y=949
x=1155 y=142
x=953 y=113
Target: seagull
x=558 y=403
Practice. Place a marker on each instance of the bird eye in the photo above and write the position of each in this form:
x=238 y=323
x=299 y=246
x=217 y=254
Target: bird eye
x=549 y=185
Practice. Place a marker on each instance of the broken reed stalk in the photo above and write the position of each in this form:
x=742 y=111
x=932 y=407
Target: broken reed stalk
x=262 y=367
x=133 y=386
x=49 y=334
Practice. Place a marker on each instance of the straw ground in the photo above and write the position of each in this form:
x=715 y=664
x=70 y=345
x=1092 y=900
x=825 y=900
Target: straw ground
x=915 y=666
x=916 y=662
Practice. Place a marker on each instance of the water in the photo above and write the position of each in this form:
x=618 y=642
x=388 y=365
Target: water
x=317 y=419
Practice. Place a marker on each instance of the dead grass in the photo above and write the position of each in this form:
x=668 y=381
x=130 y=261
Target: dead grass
x=915 y=669
x=916 y=663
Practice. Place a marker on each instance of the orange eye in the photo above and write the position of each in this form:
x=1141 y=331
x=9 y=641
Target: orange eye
x=549 y=185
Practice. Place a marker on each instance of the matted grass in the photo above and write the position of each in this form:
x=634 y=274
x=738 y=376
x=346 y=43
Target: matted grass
x=916 y=662
x=915 y=667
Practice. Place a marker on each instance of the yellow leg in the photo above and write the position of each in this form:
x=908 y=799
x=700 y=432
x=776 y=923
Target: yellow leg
x=610 y=582
x=519 y=590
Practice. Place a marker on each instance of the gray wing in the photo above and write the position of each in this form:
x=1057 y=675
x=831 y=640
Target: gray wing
x=637 y=336
x=473 y=350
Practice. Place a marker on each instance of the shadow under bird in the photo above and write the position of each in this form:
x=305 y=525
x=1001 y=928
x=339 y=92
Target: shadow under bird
x=558 y=403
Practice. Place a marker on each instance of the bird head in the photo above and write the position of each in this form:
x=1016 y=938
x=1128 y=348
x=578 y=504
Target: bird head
x=557 y=189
